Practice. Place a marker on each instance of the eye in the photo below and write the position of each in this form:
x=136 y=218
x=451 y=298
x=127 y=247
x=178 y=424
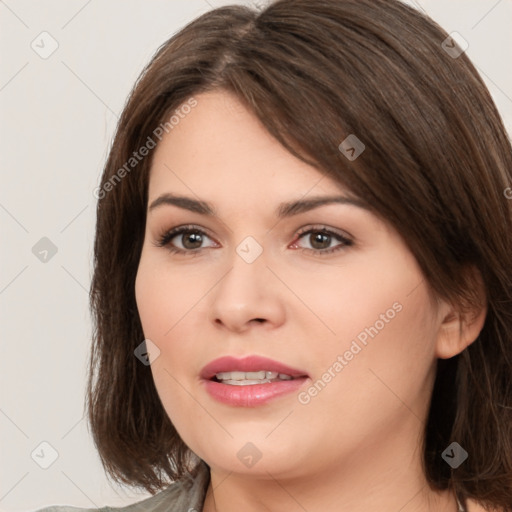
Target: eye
x=189 y=240
x=321 y=239
x=190 y=237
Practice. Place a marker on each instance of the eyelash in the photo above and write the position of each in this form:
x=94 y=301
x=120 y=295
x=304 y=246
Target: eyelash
x=165 y=238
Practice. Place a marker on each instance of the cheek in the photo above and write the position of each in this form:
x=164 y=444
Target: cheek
x=380 y=318
x=166 y=303
x=163 y=296
x=363 y=390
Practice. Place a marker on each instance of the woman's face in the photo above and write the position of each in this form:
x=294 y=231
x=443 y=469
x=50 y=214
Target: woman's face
x=345 y=312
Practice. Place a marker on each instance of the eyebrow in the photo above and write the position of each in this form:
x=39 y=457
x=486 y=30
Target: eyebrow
x=286 y=209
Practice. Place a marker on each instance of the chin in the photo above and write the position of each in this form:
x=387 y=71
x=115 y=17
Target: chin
x=255 y=458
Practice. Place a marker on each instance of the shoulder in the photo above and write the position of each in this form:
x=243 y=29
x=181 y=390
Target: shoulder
x=180 y=496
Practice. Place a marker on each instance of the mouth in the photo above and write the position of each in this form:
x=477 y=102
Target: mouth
x=238 y=378
x=250 y=381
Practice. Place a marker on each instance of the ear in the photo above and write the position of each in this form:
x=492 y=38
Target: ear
x=458 y=330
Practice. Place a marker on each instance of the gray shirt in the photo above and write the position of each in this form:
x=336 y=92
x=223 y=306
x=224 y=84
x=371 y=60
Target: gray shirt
x=186 y=495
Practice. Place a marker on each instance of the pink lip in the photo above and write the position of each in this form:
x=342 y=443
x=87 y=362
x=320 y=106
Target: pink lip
x=254 y=394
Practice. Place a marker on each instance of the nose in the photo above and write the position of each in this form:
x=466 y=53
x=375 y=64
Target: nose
x=247 y=295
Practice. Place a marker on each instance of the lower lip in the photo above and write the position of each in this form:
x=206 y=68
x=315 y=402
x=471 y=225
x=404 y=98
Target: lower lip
x=252 y=395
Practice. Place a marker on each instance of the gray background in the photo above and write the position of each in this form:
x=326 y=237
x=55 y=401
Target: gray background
x=57 y=118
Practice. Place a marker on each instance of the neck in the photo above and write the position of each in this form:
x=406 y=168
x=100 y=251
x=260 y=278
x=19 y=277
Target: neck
x=362 y=482
x=271 y=495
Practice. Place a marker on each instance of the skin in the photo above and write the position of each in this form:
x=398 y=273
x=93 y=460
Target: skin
x=355 y=446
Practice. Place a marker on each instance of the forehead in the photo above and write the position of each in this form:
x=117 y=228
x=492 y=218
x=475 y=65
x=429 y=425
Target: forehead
x=221 y=149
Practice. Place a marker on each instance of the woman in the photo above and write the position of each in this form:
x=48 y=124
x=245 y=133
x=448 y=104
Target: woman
x=302 y=283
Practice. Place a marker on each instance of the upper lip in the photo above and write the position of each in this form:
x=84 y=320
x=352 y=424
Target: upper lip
x=248 y=364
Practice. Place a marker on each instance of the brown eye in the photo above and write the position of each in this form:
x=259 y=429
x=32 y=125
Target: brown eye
x=321 y=239
x=184 y=239
x=191 y=239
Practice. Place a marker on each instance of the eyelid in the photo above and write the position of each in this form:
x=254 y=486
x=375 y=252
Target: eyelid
x=326 y=229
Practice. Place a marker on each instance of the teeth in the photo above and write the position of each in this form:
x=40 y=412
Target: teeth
x=231 y=375
x=245 y=382
x=245 y=378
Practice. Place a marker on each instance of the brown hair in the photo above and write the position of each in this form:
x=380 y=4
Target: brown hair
x=436 y=165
